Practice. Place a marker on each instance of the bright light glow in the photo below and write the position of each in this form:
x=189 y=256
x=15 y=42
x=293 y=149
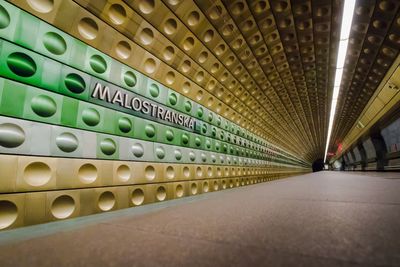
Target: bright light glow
x=342 y=53
x=338 y=78
x=335 y=92
x=348 y=11
x=347 y=18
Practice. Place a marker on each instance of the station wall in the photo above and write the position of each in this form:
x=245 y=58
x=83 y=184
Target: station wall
x=67 y=151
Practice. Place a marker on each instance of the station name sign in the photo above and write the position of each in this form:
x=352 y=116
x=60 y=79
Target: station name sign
x=133 y=102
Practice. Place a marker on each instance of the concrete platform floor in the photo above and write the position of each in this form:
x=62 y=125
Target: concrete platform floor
x=319 y=219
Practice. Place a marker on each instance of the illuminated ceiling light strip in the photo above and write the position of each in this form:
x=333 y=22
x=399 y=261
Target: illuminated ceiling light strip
x=347 y=18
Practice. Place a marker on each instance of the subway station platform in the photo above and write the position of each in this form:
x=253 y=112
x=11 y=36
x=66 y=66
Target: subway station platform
x=318 y=219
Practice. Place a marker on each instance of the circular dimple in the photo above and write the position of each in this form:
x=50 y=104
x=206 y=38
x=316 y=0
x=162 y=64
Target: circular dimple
x=204 y=128
x=208 y=143
x=188 y=106
x=123 y=49
x=185 y=139
x=321 y=11
x=280 y=6
x=11 y=135
x=137 y=197
x=4 y=19
x=146 y=36
x=170 y=77
x=87 y=173
x=168 y=53
x=150 y=131
x=216 y=185
x=200 y=112
x=179 y=190
x=394 y=38
x=197 y=141
x=160 y=152
x=210 y=116
x=199 y=76
x=193 y=188
x=238 y=8
x=8 y=213
x=75 y=83
x=63 y=207
x=170 y=172
x=108 y=146
x=130 y=78
x=214 y=68
x=209 y=172
x=170 y=26
x=150 y=173
x=124 y=125
x=37 y=174
x=389 y=52
x=192 y=156
x=216 y=12
x=203 y=57
x=123 y=173
x=173 y=99
x=146 y=6
x=21 y=64
x=54 y=43
x=380 y=24
x=154 y=90
x=117 y=14
x=161 y=193
x=186 y=172
x=188 y=43
x=199 y=95
x=205 y=187
x=44 y=106
x=193 y=18
x=387 y=6
x=150 y=65
x=237 y=43
x=260 y=6
x=203 y=157
x=223 y=184
x=67 y=142
x=88 y=28
x=106 y=201
x=228 y=29
x=169 y=135
x=178 y=154
x=137 y=150
x=199 y=172
x=98 y=64
x=42 y=6
x=220 y=49
x=90 y=117
x=186 y=65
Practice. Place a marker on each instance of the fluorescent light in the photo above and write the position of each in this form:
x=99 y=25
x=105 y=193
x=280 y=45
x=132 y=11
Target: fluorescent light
x=338 y=77
x=347 y=18
x=342 y=53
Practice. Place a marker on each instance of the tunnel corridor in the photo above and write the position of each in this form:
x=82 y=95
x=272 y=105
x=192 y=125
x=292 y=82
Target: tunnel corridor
x=199 y=132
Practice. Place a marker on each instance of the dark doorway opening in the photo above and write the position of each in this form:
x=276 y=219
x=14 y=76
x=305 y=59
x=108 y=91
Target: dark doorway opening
x=318 y=165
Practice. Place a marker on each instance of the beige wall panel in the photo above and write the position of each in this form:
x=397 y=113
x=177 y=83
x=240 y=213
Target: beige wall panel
x=36 y=173
x=12 y=211
x=9 y=168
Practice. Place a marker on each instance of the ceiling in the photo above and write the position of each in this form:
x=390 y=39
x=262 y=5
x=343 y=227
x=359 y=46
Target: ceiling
x=289 y=49
x=272 y=63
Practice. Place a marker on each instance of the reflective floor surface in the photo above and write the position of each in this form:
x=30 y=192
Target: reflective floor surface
x=318 y=219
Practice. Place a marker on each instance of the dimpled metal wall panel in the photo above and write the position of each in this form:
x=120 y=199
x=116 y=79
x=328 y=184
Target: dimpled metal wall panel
x=107 y=105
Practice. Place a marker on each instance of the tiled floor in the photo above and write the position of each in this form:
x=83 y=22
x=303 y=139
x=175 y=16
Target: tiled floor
x=320 y=219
